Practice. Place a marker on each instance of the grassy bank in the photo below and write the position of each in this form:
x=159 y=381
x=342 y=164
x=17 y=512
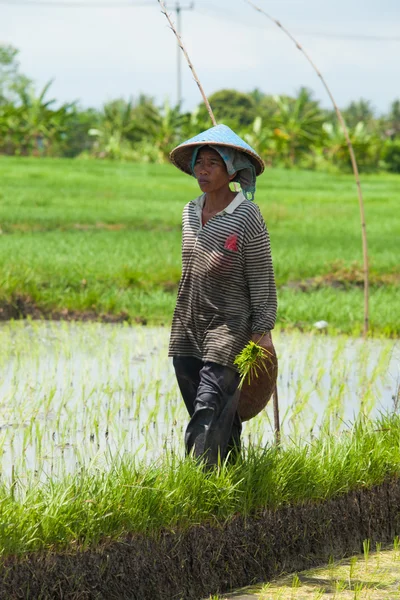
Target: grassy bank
x=104 y=238
x=171 y=531
x=94 y=505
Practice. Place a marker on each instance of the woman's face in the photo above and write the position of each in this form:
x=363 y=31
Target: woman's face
x=210 y=171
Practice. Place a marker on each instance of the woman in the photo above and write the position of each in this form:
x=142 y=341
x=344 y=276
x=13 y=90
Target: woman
x=227 y=293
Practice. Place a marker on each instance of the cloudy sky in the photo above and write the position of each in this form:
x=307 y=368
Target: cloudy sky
x=96 y=53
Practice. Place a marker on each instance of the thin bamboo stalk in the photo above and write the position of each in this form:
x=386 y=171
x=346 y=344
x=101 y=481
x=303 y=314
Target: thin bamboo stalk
x=352 y=158
x=214 y=122
x=182 y=47
x=277 y=426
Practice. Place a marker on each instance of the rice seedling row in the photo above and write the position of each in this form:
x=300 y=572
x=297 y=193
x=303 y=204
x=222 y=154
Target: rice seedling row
x=72 y=393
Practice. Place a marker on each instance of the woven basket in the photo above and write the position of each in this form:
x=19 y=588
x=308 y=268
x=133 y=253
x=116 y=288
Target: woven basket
x=255 y=396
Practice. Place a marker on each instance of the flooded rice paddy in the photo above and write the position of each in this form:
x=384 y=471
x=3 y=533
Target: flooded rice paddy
x=77 y=393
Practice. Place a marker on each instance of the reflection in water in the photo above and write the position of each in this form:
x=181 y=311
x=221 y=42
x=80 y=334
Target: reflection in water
x=71 y=393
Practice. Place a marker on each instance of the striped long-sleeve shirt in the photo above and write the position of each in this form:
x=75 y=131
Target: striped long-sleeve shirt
x=227 y=289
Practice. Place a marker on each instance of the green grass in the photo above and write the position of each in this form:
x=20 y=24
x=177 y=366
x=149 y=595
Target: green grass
x=105 y=237
x=95 y=504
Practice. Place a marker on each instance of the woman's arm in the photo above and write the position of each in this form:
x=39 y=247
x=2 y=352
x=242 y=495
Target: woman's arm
x=259 y=274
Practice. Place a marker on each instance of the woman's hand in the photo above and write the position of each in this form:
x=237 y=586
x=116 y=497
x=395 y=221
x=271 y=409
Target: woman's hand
x=264 y=340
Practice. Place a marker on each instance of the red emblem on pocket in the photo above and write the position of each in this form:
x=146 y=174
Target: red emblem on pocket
x=231 y=243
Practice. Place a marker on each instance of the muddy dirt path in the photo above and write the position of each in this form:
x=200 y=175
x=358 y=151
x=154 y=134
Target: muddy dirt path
x=372 y=576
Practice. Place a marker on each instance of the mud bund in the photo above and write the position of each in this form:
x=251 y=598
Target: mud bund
x=209 y=559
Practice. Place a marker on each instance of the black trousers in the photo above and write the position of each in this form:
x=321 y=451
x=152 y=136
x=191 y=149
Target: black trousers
x=211 y=395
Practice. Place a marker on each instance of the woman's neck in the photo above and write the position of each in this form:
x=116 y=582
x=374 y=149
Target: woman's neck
x=218 y=200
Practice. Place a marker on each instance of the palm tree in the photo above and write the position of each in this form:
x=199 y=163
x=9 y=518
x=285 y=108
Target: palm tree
x=298 y=124
x=11 y=80
x=361 y=111
x=167 y=132
x=114 y=131
x=128 y=127
x=394 y=118
x=163 y=127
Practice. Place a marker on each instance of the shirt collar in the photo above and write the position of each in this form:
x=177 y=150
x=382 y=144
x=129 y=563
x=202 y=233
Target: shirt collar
x=238 y=199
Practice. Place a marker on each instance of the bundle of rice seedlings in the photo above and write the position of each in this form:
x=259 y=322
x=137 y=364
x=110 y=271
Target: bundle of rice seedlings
x=252 y=361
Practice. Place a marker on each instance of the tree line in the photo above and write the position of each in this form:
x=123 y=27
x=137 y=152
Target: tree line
x=286 y=131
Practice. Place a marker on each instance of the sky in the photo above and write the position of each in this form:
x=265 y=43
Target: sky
x=96 y=53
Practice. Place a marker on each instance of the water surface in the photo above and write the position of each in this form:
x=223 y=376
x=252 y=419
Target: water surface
x=72 y=393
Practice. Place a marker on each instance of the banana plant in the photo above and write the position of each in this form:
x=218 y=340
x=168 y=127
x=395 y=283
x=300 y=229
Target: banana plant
x=262 y=138
x=34 y=125
x=366 y=146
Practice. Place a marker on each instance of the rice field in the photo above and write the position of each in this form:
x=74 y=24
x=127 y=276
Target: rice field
x=74 y=393
x=91 y=432
x=91 y=419
x=104 y=238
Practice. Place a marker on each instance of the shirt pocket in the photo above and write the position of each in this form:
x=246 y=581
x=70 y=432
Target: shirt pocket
x=223 y=263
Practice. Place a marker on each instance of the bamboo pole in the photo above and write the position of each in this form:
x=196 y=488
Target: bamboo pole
x=352 y=158
x=277 y=426
x=214 y=122
x=182 y=47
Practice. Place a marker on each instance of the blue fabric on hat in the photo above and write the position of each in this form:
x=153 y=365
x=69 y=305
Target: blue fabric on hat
x=236 y=162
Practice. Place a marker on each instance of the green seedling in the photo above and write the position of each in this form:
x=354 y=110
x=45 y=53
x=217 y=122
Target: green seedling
x=331 y=567
x=353 y=563
x=296 y=583
x=340 y=586
x=378 y=553
x=396 y=546
x=366 y=548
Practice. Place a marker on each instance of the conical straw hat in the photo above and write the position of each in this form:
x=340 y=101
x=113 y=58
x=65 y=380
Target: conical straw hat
x=220 y=135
